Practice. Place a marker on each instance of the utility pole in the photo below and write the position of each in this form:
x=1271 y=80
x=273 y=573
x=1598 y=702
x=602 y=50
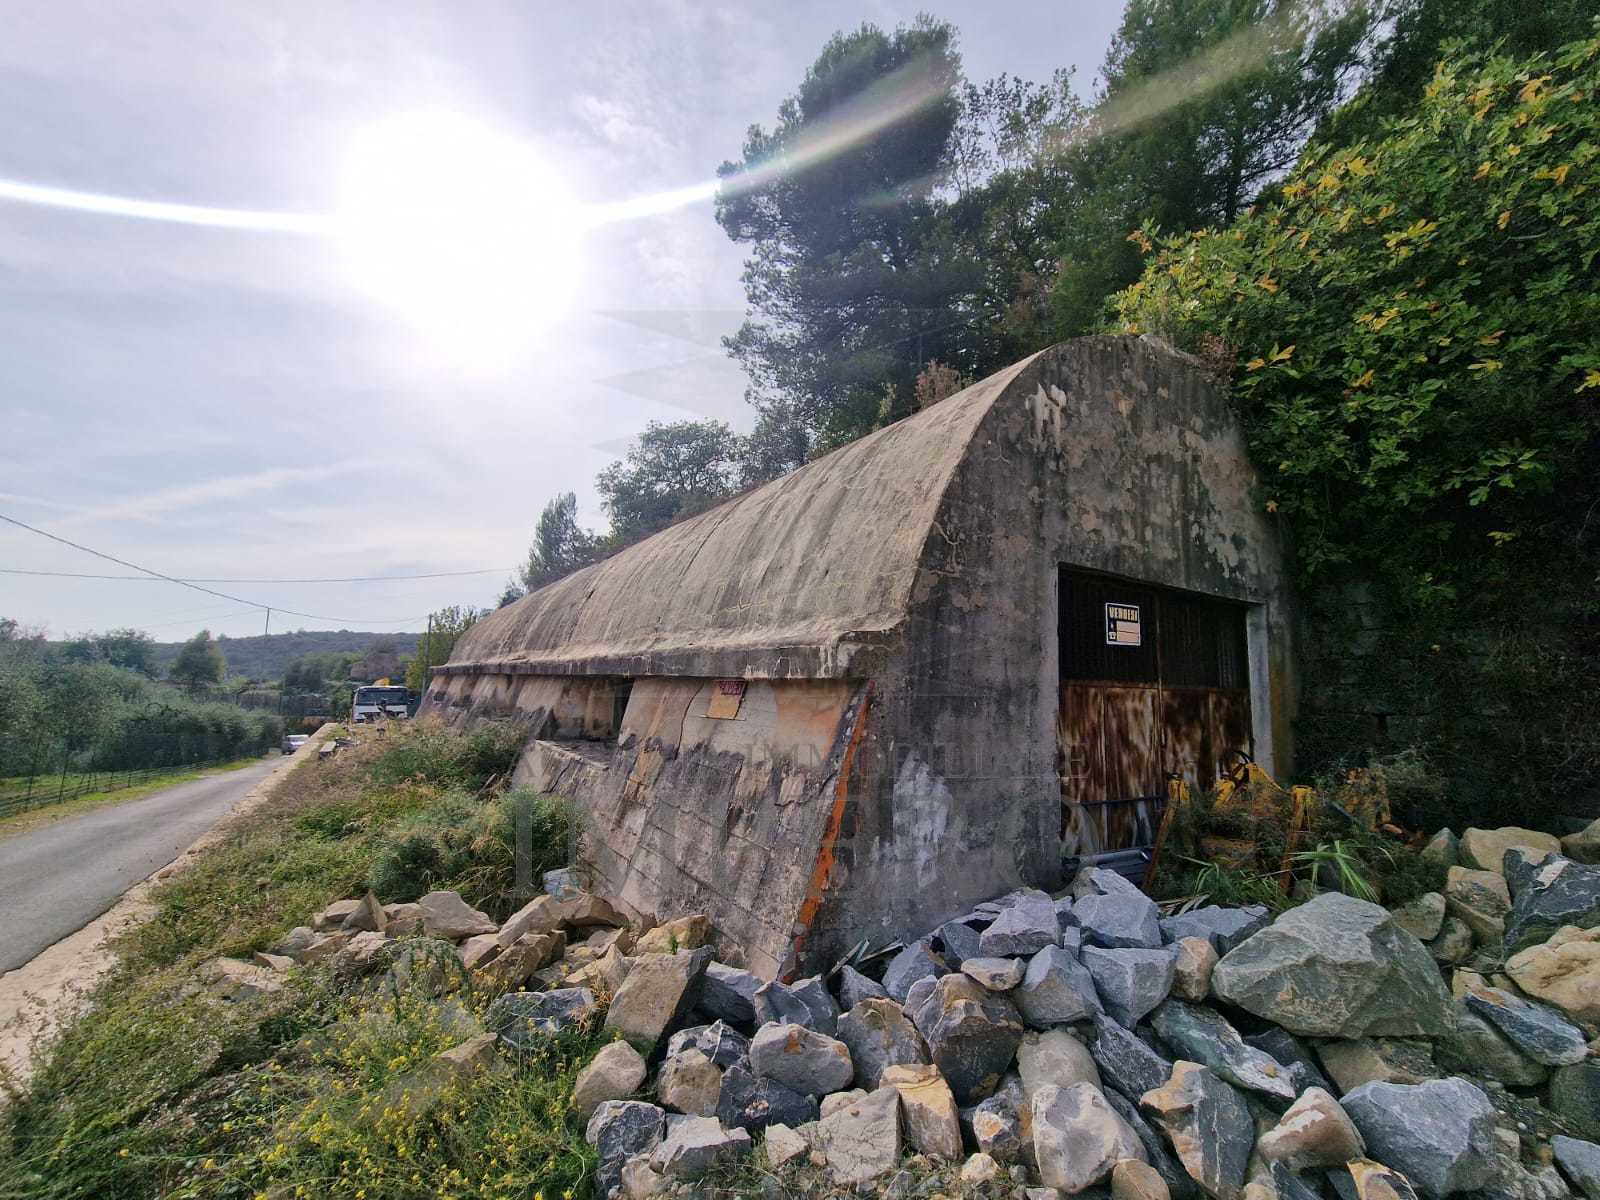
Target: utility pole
x=268 y=626
x=427 y=657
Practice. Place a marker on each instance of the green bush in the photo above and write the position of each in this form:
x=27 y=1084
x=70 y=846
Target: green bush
x=1408 y=333
x=430 y=753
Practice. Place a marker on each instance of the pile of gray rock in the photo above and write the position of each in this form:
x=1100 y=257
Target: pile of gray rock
x=1080 y=1044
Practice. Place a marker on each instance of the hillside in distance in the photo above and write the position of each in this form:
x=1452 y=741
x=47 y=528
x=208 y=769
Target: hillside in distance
x=265 y=656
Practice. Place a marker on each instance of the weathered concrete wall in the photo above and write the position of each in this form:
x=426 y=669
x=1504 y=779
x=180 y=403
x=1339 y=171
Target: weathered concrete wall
x=1113 y=454
x=901 y=594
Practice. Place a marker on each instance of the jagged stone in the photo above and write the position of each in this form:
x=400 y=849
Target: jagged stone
x=1564 y=972
x=1314 y=1132
x=1054 y=1057
x=1373 y=1181
x=920 y=991
x=446 y=915
x=1443 y=849
x=563 y=883
x=1583 y=846
x=1078 y=1137
x=1056 y=989
x=618 y=1130
x=1440 y=1134
x=1156 y=1149
x=854 y=987
x=980 y=1169
x=801 y=1059
x=862 y=1140
x=1423 y=917
x=1475 y=1047
x=694 y=1145
x=364 y=952
x=273 y=962
x=997 y=1129
x=613 y=1074
x=367 y=916
x=1209 y=1126
x=728 y=993
x=1293 y=1054
x=1480 y=900
x=837 y=1100
x=658 y=994
x=1193 y=960
x=521 y=1017
x=972 y=1035
x=1126 y=1063
x=1554 y=893
x=880 y=1035
x=996 y=974
x=960 y=942
x=1575 y=1097
x=1223 y=927
x=1101 y=881
x=296 y=942
x=749 y=1102
x=334 y=916
x=511 y=967
x=1485 y=849
x=640 y=1180
x=1290 y=1186
x=477 y=950
x=1203 y=1035
x=1454 y=942
x=1336 y=967
x=782 y=1144
x=1119 y=921
x=1580 y=1162
x=233 y=979
x=1539 y=1031
x=1130 y=983
x=689 y=1083
x=404 y=919
x=916 y=961
x=804 y=1003
x=1377 y=1060
x=1021 y=929
x=722 y=1045
x=931 y=1124
x=1135 y=1180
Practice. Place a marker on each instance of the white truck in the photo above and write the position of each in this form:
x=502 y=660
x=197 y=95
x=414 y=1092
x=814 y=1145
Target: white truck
x=377 y=703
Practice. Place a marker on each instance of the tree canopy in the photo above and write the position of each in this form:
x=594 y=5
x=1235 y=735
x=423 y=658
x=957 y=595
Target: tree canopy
x=199 y=663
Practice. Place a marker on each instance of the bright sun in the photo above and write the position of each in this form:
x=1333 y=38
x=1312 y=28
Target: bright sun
x=465 y=231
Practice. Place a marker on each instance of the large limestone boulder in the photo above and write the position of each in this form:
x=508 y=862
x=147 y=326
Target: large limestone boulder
x=1130 y=983
x=1583 y=846
x=880 y=1035
x=972 y=1035
x=689 y=1083
x=446 y=915
x=618 y=1130
x=1126 y=1062
x=694 y=1145
x=1337 y=967
x=932 y=1125
x=801 y=1059
x=658 y=994
x=1538 y=1030
x=861 y=1140
x=1209 y=1126
x=1486 y=849
x=1056 y=989
x=750 y=1102
x=1565 y=972
x=1313 y=1133
x=1479 y=900
x=521 y=1018
x=1440 y=1135
x=1078 y=1137
x=1054 y=1057
x=614 y=1074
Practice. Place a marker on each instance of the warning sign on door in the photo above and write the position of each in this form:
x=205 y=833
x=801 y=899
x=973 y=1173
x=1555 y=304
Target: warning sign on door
x=1122 y=625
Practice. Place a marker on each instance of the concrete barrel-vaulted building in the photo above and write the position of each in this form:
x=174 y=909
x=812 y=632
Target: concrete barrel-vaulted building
x=917 y=672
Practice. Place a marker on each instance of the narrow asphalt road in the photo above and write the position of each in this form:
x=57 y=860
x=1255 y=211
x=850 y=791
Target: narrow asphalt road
x=55 y=879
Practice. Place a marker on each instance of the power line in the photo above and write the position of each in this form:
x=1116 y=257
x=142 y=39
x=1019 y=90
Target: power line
x=199 y=579
x=268 y=608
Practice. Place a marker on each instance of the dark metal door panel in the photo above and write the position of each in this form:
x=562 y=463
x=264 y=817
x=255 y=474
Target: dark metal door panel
x=1129 y=741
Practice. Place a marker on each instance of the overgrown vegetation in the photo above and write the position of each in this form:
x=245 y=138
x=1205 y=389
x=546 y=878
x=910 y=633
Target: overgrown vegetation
x=163 y=1089
x=1408 y=328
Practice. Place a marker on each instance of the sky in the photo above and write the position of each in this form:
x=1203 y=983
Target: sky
x=351 y=391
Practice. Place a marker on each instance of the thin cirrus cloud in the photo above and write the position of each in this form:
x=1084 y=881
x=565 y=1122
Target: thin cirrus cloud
x=167 y=501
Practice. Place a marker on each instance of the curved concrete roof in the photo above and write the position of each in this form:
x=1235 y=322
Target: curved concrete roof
x=806 y=571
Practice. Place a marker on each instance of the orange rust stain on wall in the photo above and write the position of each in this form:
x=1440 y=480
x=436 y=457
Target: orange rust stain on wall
x=830 y=834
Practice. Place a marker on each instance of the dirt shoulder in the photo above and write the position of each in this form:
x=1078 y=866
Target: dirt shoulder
x=37 y=996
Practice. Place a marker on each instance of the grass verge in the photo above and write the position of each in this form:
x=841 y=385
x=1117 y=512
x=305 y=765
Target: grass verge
x=161 y=1088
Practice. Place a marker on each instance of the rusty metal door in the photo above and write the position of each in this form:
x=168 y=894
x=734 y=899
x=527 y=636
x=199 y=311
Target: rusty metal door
x=1153 y=682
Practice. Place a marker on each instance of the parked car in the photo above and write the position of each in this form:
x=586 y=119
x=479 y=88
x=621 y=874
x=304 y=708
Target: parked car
x=292 y=742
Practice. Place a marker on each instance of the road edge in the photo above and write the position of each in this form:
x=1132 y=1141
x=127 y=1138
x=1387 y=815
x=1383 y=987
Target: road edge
x=49 y=988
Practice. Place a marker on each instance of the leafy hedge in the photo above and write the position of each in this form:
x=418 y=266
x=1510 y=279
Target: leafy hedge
x=1411 y=332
